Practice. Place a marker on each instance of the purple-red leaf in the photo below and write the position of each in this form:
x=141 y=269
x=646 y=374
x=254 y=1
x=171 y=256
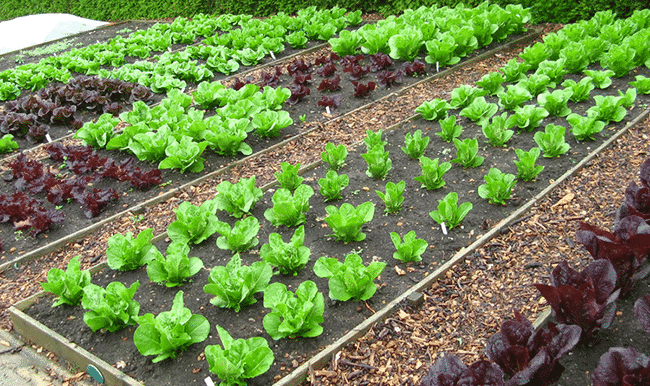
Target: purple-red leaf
x=298 y=92
x=363 y=90
x=327 y=70
x=349 y=60
x=356 y=72
x=449 y=370
x=642 y=312
x=298 y=65
x=415 y=68
x=331 y=84
x=380 y=61
x=622 y=366
x=331 y=101
x=389 y=78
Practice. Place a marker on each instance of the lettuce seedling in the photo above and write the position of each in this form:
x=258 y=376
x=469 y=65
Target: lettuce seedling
x=498 y=186
x=515 y=71
x=556 y=102
x=149 y=145
x=534 y=55
x=531 y=357
x=626 y=248
x=601 y=79
x=294 y=315
x=514 y=97
x=67 y=285
x=554 y=69
x=526 y=169
x=449 y=129
x=235 y=285
x=434 y=109
x=642 y=84
x=289 y=257
x=347 y=221
x=581 y=89
x=194 y=223
x=415 y=144
x=586 y=299
x=576 y=57
x=496 y=130
x=584 y=128
x=440 y=52
x=347 y=43
x=619 y=59
x=237 y=199
x=112 y=308
x=411 y=249
x=406 y=44
x=463 y=95
x=226 y=137
x=479 y=110
x=170 y=331
x=125 y=253
x=528 y=117
x=432 y=173
x=350 y=279
x=536 y=84
x=297 y=39
x=492 y=83
x=466 y=40
x=207 y=94
x=332 y=184
x=267 y=124
x=288 y=176
x=373 y=139
x=622 y=366
x=242 y=236
x=239 y=359
x=449 y=212
x=628 y=97
x=184 y=155
x=274 y=98
x=379 y=162
x=175 y=267
x=451 y=369
x=467 y=153
x=289 y=210
x=608 y=108
x=334 y=155
x=97 y=134
x=7 y=143
x=393 y=198
x=551 y=141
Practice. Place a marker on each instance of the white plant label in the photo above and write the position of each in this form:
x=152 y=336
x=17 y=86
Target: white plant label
x=272 y=54
x=444 y=228
x=47 y=136
x=328 y=110
x=437 y=66
x=208 y=381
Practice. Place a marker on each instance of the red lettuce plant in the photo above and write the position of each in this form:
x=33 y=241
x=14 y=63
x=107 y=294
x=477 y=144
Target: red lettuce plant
x=26 y=213
x=363 y=90
x=389 y=78
x=300 y=79
x=349 y=60
x=271 y=78
x=298 y=65
x=642 y=312
x=531 y=357
x=586 y=299
x=238 y=83
x=449 y=370
x=414 y=68
x=327 y=70
x=330 y=101
x=356 y=71
x=627 y=249
x=298 y=92
x=94 y=201
x=622 y=366
x=331 y=84
x=380 y=61
x=323 y=60
x=637 y=198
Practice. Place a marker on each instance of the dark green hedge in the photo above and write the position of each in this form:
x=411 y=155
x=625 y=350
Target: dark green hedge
x=563 y=11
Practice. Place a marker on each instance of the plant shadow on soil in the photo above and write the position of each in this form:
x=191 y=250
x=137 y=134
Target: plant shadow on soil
x=340 y=317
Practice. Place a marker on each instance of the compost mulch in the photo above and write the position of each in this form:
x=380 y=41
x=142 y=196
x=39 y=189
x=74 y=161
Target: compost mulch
x=463 y=308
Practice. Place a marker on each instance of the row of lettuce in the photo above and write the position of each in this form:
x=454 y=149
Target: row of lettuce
x=583 y=302
x=402 y=37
